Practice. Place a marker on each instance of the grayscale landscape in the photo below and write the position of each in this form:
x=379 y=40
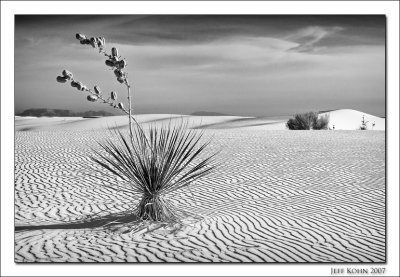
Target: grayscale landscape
x=309 y=191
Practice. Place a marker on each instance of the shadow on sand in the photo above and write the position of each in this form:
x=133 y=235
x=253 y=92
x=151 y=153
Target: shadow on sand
x=98 y=222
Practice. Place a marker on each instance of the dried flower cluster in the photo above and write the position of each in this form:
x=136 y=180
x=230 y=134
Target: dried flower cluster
x=98 y=42
x=117 y=65
x=95 y=94
x=114 y=60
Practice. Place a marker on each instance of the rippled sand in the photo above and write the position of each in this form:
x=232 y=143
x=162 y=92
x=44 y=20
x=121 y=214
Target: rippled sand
x=277 y=196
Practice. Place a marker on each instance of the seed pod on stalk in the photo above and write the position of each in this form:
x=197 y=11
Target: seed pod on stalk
x=121 y=106
x=101 y=42
x=113 y=95
x=121 y=80
x=74 y=84
x=118 y=73
x=91 y=98
x=93 y=42
x=121 y=64
x=110 y=63
x=114 y=52
x=80 y=36
x=79 y=85
x=97 y=90
x=85 y=41
x=61 y=79
x=68 y=75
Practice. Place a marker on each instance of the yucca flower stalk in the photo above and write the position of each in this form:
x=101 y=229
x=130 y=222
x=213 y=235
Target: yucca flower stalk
x=153 y=165
x=118 y=66
x=95 y=95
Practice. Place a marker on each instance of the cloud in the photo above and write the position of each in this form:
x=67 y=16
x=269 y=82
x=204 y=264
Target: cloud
x=194 y=29
x=240 y=65
x=237 y=51
x=27 y=42
x=309 y=38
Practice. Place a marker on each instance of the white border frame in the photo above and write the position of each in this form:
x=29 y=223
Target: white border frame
x=9 y=9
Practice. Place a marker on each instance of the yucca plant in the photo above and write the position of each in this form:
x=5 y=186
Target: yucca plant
x=156 y=164
x=153 y=163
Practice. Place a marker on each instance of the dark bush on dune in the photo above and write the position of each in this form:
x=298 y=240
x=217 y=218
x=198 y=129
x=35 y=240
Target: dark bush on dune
x=301 y=121
x=321 y=123
x=308 y=121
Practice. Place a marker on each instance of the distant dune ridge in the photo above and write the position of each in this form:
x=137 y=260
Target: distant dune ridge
x=204 y=113
x=345 y=119
x=62 y=113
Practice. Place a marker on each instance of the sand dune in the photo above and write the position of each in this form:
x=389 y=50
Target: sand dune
x=278 y=196
x=31 y=123
x=342 y=120
x=347 y=119
x=83 y=124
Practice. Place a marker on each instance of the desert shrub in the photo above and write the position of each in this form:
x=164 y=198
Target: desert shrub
x=321 y=123
x=301 y=121
x=308 y=121
x=152 y=164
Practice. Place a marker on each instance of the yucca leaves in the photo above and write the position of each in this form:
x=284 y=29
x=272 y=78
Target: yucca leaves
x=156 y=163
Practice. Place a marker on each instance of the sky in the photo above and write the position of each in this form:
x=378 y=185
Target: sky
x=245 y=65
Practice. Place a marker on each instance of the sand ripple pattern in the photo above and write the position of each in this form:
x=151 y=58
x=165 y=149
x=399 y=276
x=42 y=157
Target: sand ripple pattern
x=278 y=196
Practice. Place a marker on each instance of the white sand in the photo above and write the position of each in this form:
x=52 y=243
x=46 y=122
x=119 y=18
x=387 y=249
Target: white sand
x=351 y=120
x=342 y=120
x=278 y=196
